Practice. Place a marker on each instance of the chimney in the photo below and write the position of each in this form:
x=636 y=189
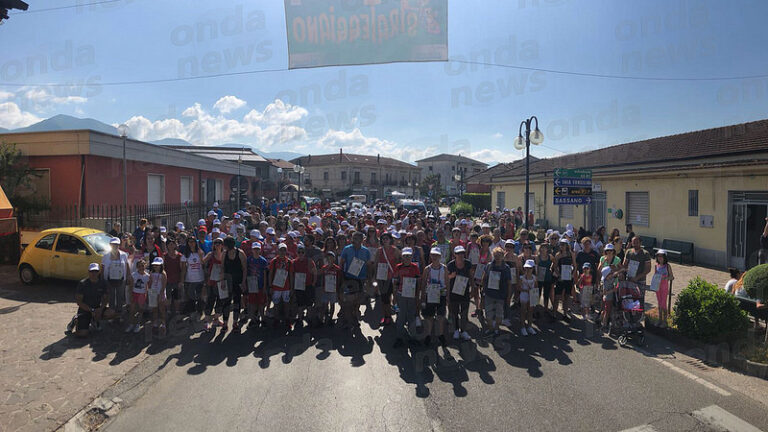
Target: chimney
x=339 y=155
x=309 y=158
x=378 y=159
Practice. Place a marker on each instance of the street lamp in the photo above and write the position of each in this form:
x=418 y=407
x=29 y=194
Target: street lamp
x=239 y=162
x=535 y=137
x=123 y=131
x=298 y=169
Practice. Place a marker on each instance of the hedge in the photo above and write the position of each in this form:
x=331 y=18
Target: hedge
x=705 y=312
x=756 y=281
x=479 y=201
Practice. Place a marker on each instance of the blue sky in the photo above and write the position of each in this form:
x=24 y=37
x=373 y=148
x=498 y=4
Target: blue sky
x=405 y=110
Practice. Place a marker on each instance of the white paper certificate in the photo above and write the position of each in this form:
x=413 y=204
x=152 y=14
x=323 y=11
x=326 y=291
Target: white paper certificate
x=474 y=256
x=460 y=285
x=409 y=287
x=479 y=271
x=566 y=272
x=330 y=283
x=433 y=293
x=223 y=291
x=152 y=298
x=280 y=277
x=541 y=273
x=634 y=266
x=116 y=269
x=253 y=284
x=215 y=272
x=533 y=295
x=300 y=281
x=381 y=271
x=655 y=282
x=356 y=266
x=513 y=274
x=494 y=279
x=586 y=295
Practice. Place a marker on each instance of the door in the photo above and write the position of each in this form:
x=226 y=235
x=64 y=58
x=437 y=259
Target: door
x=41 y=255
x=155 y=189
x=597 y=210
x=745 y=225
x=755 y=222
x=70 y=258
x=210 y=191
x=738 y=235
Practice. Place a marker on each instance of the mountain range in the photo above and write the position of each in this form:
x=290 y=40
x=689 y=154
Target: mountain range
x=66 y=122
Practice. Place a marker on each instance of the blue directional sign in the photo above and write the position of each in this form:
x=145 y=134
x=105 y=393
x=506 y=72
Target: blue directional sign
x=572 y=186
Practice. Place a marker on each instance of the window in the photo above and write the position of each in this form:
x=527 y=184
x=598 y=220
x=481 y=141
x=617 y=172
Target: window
x=453 y=168
x=430 y=168
x=357 y=177
x=46 y=242
x=219 y=190
x=373 y=178
x=638 y=204
x=343 y=175
x=70 y=244
x=693 y=202
x=186 y=189
x=501 y=200
x=155 y=189
x=531 y=202
x=325 y=175
x=565 y=212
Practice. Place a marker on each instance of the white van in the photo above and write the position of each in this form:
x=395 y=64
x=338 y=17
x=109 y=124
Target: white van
x=358 y=198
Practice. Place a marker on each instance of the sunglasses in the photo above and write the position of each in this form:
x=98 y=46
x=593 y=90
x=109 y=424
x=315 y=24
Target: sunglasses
x=300 y=252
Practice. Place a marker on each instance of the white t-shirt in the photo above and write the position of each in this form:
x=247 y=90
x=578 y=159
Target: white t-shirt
x=195 y=271
x=315 y=220
x=140 y=282
x=114 y=269
x=729 y=285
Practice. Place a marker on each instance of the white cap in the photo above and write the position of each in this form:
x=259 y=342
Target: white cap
x=93 y=267
x=605 y=272
x=459 y=249
x=211 y=213
x=215 y=230
x=201 y=222
x=216 y=222
x=293 y=234
x=485 y=225
x=661 y=252
x=114 y=240
x=216 y=204
x=157 y=261
x=255 y=245
x=282 y=246
x=509 y=242
x=270 y=231
x=319 y=230
x=610 y=246
x=407 y=251
x=569 y=227
x=237 y=215
x=180 y=225
x=435 y=251
x=222 y=236
x=381 y=221
x=163 y=229
x=529 y=264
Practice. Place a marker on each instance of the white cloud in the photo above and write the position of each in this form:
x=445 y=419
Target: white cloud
x=11 y=116
x=41 y=98
x=5 y=95
x=263 y=129
x=498 y=135
x=491 y=156
x=228 y=104
x=356 y=142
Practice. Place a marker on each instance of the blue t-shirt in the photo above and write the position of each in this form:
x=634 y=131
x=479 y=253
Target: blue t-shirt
x=206 y=246
x=349 y=253
x=258 y=267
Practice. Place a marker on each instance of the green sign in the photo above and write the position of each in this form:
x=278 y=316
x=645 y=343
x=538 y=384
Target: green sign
x=573 y=173
x=344 y=32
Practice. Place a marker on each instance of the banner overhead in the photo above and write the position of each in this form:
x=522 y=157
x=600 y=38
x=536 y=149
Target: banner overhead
x=351 y=32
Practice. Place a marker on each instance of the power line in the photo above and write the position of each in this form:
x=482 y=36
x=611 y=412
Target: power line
x=65 y=7
x=596 y=75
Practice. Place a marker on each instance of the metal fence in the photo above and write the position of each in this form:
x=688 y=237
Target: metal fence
x=103 y=216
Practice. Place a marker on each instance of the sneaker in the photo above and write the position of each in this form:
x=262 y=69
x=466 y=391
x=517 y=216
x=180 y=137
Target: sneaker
x=531 y=331
x=456 y=335
x=136 y=328
x=129 y=328
x=506 y=322
x=465 y=336
x=523 y=331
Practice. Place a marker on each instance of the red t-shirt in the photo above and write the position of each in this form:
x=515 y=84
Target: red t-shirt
x=173 y=267
x=281 y=263
x=306 y=266
x=331 y=269
x=404 y=271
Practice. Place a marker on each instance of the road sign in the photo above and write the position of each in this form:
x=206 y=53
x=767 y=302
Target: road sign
x=572 y=186
x=573 y=191
x=573 y=173
x=566 y=200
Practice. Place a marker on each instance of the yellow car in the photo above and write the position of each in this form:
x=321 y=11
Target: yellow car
x=62 y=253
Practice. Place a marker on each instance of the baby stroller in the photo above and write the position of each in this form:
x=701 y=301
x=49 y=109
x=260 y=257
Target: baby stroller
x=629 y=312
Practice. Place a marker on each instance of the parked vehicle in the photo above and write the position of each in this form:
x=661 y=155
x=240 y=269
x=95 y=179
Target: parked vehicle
x=62 y=253
x=409 y=205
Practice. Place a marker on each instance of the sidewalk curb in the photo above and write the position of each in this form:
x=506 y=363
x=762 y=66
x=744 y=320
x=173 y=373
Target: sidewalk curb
x=714 y=354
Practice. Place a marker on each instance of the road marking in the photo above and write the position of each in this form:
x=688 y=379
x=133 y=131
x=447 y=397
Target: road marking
x=722 y=420
x=687 y=374
x=643 y=428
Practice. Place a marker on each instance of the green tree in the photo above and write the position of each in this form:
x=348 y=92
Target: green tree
x=16 y=177
x=434 y=181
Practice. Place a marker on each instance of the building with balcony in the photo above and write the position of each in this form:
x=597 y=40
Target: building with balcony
x=452 y=170
x=343 y=174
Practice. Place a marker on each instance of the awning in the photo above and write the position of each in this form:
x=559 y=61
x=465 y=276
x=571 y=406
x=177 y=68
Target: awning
x=290 y=188
x=6 y=209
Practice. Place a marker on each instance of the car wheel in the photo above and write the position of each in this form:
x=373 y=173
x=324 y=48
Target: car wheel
x=27 y=274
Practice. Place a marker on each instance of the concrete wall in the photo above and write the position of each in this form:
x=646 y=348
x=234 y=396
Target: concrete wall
x=668 y=207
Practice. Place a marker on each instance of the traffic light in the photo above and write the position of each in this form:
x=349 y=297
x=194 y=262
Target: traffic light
x=6 y=5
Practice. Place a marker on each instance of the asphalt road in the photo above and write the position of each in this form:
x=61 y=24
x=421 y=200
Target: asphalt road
x=565 y=378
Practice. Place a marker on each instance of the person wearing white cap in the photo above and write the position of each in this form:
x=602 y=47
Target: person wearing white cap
x=156 y=298
x=528 y=287
x=280 y=284
x=665 y=276
x=256 y=285
x=140 y=279
x=386 y=258
x=217 y=210
x=434 y=298
x=460 y=275
x=406 y=279
x=92 y=298
x=497 y=291
x=217 y=291
x=179 y=227
x=116 y=270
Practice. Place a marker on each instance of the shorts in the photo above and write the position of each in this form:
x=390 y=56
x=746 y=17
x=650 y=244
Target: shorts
x=434 y=309
x=194 y=291
x=84 y=319
x=259 y=298
x=385 y=290
x=563 y=288
x=494 y=308
x=281 y=297
x=305 y=298
x=116 y=296
x=173 y=292
x=140 y=299
x=525 y=297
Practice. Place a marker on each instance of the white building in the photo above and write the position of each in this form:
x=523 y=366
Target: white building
x=453 y=170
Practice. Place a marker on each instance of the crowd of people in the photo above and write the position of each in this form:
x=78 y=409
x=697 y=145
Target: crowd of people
x=421 y=273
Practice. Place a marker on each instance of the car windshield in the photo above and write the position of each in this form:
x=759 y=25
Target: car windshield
x=99 y=242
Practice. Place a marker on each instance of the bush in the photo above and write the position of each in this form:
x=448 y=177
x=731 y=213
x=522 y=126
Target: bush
x=705 y=312
x=462 y=207
x=756 y=281
x=479 y=201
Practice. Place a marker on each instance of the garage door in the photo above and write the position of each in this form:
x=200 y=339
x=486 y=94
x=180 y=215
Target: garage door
x=155 y=189
x=638 y=208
